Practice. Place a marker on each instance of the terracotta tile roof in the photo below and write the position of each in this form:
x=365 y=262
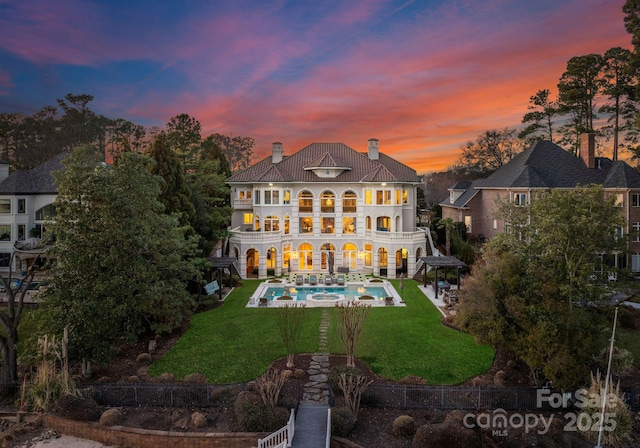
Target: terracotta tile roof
x=327 y=155
x=38 y=180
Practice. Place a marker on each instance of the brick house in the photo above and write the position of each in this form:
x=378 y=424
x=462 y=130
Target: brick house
x=546 y=166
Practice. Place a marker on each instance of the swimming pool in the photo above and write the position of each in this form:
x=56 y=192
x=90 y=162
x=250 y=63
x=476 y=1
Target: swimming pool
x=271 y=294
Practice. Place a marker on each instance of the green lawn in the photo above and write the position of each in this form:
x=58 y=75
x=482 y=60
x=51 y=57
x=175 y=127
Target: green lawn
x=233 y=343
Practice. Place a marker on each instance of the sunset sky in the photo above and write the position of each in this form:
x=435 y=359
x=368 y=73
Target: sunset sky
x=423 y=77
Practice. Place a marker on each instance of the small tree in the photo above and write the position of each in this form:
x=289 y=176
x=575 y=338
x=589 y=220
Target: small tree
x=352 y=318
x=352 y=387
x=290 y=318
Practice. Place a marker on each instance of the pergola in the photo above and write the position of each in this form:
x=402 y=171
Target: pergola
x=444 y=262
x=219 y=264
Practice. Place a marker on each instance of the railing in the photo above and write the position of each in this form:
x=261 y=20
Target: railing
x=282 y=437
x=242 y=204
x=327 y=443
x=400 y=236
x=173 y=395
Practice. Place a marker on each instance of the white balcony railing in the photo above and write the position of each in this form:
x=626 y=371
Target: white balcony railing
x=243 y=204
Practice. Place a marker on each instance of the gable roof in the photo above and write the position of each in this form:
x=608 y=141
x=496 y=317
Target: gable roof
x=545 y=165
x=38 y=180
x=358 y=167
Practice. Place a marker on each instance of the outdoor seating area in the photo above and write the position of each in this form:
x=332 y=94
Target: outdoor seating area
x=325 y=278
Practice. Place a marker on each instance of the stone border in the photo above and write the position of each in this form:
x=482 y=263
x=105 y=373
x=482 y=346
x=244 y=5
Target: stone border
x=143 y=438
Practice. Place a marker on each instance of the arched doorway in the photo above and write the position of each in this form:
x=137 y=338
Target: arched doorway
x=327 y=257
x=253 y=263
x=272 y=255
x=306 y=257
x=401 y=261
x=383 y=261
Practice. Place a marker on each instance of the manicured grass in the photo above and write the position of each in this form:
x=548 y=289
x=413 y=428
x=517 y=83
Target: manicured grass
x=233 y=343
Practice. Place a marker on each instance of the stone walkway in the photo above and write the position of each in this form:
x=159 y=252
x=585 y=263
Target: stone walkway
x=311 y=421
x=317 y=389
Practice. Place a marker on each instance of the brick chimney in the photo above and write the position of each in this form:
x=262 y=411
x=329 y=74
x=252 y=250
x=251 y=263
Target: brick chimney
x=276 y=152
x=588 y=149
x=373 y=149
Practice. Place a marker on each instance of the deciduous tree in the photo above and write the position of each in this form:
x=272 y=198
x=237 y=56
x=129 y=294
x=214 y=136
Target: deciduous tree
x=532 y=289
x=490 y=150
x=352 y=318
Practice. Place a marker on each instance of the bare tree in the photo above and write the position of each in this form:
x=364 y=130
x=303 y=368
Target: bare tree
x=352 y=387
x=352 y=318
x=269 y=386
x=290 y=318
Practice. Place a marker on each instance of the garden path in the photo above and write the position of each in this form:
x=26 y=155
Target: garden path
x=311 y=421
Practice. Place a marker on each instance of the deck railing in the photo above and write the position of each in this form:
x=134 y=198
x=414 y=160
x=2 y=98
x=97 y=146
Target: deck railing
x=282 y=437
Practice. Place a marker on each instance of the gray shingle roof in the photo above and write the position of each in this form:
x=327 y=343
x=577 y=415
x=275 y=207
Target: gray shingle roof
x=292 y=168
x=546 y=165
x=38 y=180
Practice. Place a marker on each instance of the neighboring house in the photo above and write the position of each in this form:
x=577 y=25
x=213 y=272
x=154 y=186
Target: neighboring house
x=546 y=166
x=26 y=204
x=327 y=207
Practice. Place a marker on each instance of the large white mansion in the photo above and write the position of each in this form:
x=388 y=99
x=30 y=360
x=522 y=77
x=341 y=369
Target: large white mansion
x=327 y=207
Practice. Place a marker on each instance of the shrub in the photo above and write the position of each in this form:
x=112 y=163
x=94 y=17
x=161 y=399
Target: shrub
x=133 y=379
x=499 y=378
x=143 y=358
x=621 y=362
x=451 y=433
x=299 y=374
x=404 y=426
x=198 y=420
x=335 y=373
x=195 y=378
x=254 y=416
x=342 y=422
x=222 y=396
x=626 y=317
x=111 y=417
x=167 y=377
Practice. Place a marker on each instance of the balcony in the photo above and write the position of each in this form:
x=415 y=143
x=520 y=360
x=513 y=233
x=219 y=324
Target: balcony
x=248 y=234
x=413 y=236
x=243 y=204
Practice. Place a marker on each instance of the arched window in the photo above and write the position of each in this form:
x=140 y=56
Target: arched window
x=327 y=202
x=306 y=256
x=382 y=257
x=383 y=224
x=287 y=226
x=272 y=255
x=257 y=225
x=401 y=261
x=368 y=249
x=305 y=202
x=286 y=257
x=349 y=202
x=368 y=222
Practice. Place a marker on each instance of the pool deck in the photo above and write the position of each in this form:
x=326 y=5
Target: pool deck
x=350 y=280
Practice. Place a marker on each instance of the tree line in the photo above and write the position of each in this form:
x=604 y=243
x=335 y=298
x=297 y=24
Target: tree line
x=597 y=93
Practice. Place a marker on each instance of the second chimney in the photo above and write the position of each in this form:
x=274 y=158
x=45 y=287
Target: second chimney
x=373 y=149
x=276 y=152
x=588 y=149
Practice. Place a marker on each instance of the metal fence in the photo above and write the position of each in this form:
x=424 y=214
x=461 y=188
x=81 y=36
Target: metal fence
x=376 y=395
x=455 y=397
x=174 y=395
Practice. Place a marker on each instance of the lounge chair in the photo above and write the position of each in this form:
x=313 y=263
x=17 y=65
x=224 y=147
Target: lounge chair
x=299 y=280
x=328 y=280
x=340 y=279
x=313 y=280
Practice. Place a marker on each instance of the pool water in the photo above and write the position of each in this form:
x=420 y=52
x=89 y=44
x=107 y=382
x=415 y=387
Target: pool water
x=350 y=292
